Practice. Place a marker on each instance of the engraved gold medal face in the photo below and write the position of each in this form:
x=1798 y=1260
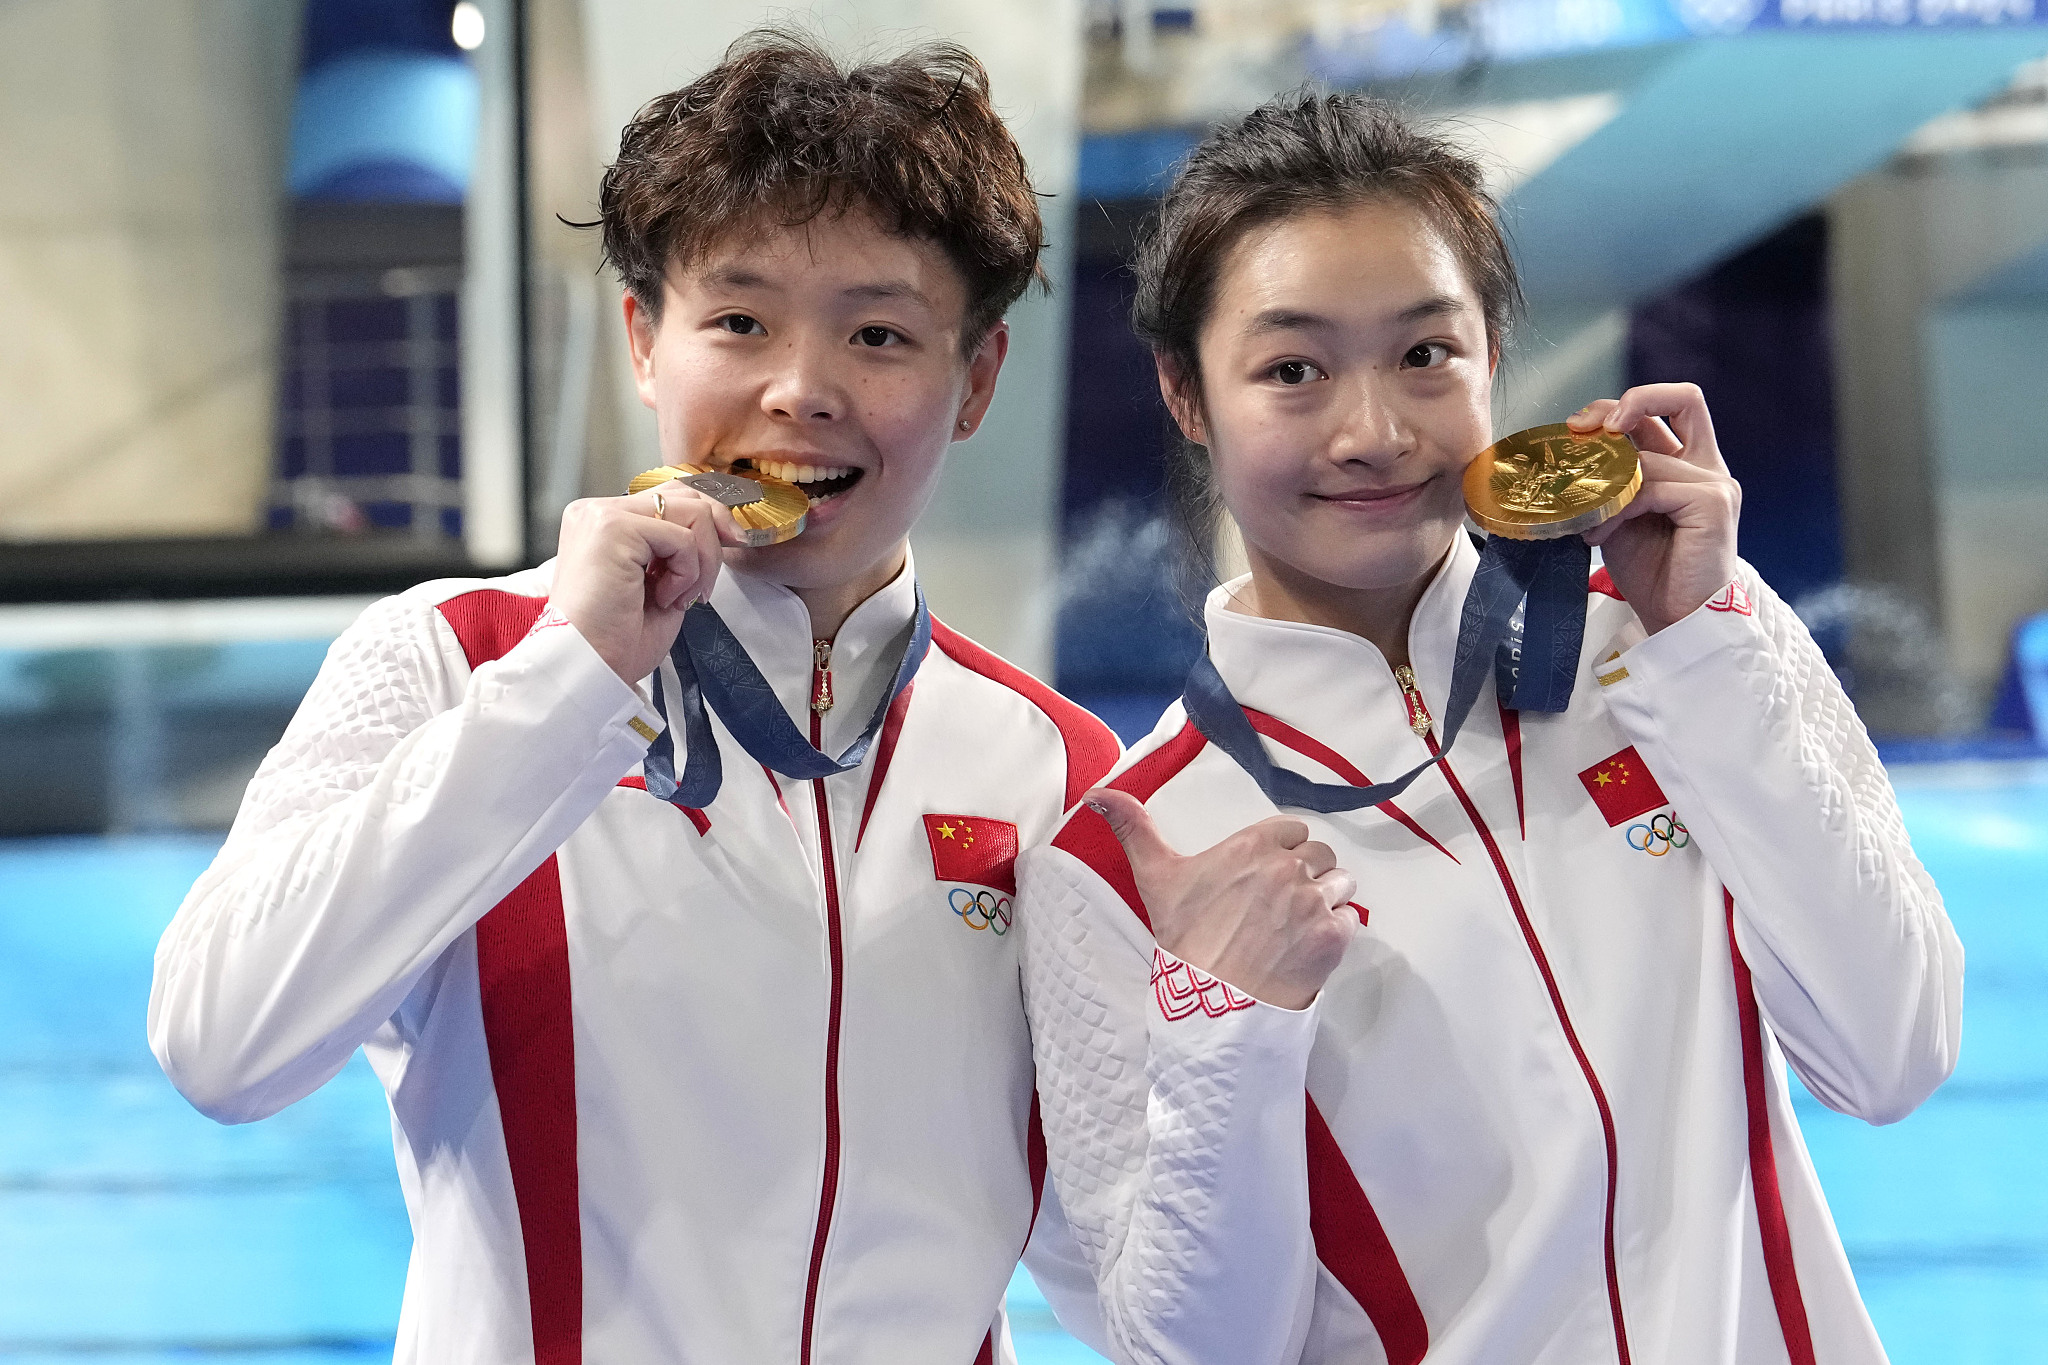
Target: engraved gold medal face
x=767 y=511
x=1549 y=482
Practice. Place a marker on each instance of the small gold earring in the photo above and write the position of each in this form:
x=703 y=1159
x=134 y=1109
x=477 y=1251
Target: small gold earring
x=963 y=424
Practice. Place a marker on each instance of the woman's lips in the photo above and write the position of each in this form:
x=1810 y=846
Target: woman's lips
x=1375 y=499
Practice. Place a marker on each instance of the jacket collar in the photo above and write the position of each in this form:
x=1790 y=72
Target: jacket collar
x=774 y=625
x=1312 y=676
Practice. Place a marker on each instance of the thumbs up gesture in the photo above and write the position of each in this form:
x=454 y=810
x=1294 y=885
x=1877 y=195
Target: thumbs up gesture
x=1261 y=910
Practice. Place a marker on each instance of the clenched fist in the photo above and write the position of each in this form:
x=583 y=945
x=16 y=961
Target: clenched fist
x=624 y=575
x=1259 y=910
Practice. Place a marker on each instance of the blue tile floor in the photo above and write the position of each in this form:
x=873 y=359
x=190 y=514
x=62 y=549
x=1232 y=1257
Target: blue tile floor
x=132 y=1230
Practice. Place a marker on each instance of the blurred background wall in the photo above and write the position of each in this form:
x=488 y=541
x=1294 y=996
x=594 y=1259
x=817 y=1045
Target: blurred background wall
x=139 y=249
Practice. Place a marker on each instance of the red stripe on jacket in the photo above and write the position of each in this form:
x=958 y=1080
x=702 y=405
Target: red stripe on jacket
x=885 y=754
x=1354 y=1248
x=1087 y=835
x=1308 y=746
x=489 y=621
x=697 y=817
x=1511 y=732
x=1092 y=749
x=522 y=961
x=1779 y=1267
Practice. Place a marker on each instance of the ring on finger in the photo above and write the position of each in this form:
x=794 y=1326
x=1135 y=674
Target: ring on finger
x=660 y=507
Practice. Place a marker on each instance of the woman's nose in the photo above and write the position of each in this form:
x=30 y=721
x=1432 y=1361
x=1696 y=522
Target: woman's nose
x=1374 y=428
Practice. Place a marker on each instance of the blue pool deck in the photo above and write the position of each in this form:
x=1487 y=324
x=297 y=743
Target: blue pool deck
x=133 y=1230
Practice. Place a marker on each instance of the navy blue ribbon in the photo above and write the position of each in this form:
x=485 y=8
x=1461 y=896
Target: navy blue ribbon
x=718 y=675
x=1525 y=614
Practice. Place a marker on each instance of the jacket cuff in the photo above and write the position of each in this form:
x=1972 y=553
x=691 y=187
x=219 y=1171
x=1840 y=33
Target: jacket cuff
x=579 y=687
x=1725 y=621
x=1195 y=1010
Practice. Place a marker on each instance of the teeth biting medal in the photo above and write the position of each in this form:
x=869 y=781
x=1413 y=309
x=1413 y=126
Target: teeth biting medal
x=767 y=511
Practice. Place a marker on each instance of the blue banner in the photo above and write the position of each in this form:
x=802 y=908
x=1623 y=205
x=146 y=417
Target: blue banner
x=1514 y=30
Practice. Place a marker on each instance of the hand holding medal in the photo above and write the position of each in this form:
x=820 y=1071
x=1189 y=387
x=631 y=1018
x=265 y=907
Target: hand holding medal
x=1672 y=547
x=627 y=569
x=1545 y=495
x=755 y=510
x=766 y=511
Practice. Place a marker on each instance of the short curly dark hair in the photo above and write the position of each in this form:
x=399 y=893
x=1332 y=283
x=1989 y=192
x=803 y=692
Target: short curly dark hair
x=779 y=133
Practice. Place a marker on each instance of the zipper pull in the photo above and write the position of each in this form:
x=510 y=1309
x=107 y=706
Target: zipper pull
x=821 y=676
x=1418 y=710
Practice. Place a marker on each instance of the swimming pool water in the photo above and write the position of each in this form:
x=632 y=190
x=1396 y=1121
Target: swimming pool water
x=133 y=1230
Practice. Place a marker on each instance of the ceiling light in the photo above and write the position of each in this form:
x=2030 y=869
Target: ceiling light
x=467 y=26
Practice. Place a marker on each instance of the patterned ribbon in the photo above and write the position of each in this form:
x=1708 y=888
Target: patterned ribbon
x=714 y=668
x=1525 y=613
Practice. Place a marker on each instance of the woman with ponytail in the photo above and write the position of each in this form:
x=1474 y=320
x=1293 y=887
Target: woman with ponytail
x=1383 y=1014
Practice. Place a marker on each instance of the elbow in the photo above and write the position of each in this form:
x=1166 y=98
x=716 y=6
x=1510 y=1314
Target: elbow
x=220 y=1092
x=212 y=1077
x=1924 y=1059
x=1888 y=1065
x=1882 y=1095
x=1910 y=1086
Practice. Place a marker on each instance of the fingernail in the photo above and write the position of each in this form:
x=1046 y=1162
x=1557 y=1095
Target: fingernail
x=1092 y=804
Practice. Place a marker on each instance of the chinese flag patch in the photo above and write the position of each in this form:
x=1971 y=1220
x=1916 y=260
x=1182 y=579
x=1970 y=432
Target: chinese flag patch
x=968 y=848
x=1622 y=787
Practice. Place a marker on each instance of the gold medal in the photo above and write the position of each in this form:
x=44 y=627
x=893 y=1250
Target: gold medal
x=767 y=511
x=1549 y=482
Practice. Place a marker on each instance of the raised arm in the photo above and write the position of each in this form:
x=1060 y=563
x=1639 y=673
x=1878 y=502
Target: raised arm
x=1856 y=965
x=408 y=797
x=1742 y=721
x=1173 y=1102
x=402 y=803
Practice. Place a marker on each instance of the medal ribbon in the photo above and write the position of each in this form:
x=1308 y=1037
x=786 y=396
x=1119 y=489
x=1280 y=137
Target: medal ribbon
x=1525 y=614
x=715 y=668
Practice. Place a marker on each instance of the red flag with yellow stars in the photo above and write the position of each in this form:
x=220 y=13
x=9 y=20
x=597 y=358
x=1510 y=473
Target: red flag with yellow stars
x=1622 y=787
x=968 y=848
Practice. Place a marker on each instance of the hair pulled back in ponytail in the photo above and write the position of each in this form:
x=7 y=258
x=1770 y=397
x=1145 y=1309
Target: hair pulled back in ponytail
x=1299 y=153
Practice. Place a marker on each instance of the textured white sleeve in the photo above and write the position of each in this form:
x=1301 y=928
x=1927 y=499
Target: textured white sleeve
x=1174 y=1125
x=402 y=803
x=1063 y=1274
x=1856 y=966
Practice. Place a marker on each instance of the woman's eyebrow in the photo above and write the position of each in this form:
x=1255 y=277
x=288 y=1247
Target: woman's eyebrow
x=1435 y=306
x=1301 y=320
x=1286 y=320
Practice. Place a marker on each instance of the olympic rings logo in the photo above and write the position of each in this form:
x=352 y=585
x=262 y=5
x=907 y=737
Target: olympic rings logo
x=1659 y=837
x=981 y=909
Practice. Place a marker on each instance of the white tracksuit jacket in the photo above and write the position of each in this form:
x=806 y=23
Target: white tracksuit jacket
x=1540 y=1111
x=745 y=1086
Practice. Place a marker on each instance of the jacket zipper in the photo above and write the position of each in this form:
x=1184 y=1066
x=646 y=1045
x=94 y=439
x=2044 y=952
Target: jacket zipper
x=1419 y=721
x=828 y=1190
x=1418 y=710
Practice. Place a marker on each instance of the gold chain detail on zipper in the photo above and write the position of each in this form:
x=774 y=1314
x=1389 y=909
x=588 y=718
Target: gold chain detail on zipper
x=1418 y=710
x=821 y=683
